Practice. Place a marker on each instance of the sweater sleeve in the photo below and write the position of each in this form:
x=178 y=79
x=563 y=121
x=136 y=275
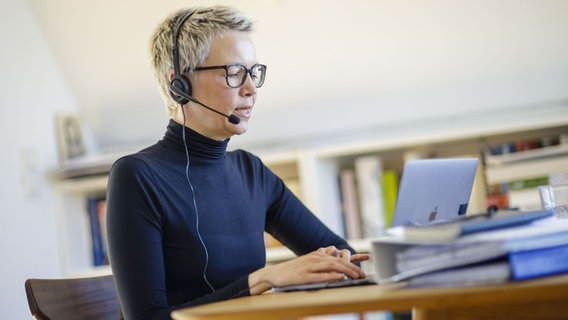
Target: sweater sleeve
x=135 y=245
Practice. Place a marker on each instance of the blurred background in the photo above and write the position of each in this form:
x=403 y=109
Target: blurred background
x=337 y=71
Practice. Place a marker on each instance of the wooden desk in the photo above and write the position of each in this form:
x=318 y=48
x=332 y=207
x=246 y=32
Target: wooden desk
x=545 y=298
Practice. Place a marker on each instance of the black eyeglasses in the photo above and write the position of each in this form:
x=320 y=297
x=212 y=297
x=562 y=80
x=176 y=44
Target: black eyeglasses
x=236 y=74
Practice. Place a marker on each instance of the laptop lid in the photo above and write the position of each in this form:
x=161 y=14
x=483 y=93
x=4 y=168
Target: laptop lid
x=434 y=189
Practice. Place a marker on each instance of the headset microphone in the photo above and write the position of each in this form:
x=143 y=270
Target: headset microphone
x=177 y=91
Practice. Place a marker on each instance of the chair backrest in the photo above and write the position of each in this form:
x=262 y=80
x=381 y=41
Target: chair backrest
x=79 y=298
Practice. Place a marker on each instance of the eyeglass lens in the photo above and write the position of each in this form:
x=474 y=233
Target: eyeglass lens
x=236 y=75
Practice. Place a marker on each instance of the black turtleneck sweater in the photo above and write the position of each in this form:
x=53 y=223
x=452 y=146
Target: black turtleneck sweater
x=157 y=258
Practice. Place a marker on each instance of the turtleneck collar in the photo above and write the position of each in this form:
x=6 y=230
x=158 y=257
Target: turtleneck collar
x=198 y=145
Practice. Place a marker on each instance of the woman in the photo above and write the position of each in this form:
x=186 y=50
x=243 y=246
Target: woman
x=185 y=216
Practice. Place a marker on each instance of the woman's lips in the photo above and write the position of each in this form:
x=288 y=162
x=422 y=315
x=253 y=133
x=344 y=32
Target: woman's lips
x=243 y=112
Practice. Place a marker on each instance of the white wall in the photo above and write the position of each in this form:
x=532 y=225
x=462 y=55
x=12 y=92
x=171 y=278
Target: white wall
x=335 y=67
x=31 y=90
x=340 y=68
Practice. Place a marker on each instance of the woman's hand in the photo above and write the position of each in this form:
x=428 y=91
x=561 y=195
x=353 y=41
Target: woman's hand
x=324 y=264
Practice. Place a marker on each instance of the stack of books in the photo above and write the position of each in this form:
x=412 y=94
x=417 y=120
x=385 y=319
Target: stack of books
x=476 y=250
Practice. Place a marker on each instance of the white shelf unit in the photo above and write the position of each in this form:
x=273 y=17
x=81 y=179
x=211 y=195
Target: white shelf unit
x=315 y=170
x=74 y=236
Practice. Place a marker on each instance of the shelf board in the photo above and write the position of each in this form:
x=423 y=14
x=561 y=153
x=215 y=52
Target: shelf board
x=84 y=185
x=528 y=155
x=94 y=272
x=526 y=169
x=453 y=129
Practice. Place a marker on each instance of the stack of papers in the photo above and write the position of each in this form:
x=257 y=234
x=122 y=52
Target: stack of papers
x=536 y=247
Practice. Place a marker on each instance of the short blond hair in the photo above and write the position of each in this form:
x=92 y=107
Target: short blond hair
x=194 y=41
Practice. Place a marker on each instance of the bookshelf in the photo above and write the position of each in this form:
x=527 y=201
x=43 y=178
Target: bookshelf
x=75 y=242
x=527 y=164
x=312 y=172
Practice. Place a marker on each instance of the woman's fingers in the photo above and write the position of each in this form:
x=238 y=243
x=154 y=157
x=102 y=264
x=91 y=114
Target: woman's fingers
x=359 y=257
x=344 y=254
x=337 y=264
x=330 y=251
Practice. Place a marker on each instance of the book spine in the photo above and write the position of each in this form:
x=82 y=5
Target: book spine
x=102 y=214
x=390 y=192
x=539 y=263
x=349 y=203
x=368 y=172
x=97 y=233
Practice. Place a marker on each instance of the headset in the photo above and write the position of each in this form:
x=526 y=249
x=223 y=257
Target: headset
x=179 y=81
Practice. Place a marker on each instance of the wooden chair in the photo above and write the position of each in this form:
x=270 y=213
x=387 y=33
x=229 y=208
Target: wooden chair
x=80 y=298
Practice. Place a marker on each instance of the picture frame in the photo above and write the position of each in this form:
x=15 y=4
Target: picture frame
x=70 y=137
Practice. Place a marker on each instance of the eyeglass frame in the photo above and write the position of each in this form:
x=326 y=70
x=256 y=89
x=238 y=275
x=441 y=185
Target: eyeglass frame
x=226 y=68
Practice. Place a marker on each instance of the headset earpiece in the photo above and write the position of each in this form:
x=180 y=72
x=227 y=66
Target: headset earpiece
x=182 y=83
x=179 y=81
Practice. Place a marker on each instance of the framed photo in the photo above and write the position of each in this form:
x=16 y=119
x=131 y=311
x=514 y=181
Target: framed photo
x=70 y=140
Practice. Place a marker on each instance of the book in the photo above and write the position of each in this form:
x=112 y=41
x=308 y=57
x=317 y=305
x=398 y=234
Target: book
x=397 y=259
x=452 y=229
x=528 y=183
x=349 y=204
x=390 y=191
x=524 y=199
x=102 y=215
x=422 y=257
x=549 y=257
x=524 y=195
x=96 y=209
x=490 y=273
x=528 y=264
x=368 y=173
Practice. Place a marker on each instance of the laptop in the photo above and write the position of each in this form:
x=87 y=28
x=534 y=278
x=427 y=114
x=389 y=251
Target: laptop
x=431 y=190
x=434 y=190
